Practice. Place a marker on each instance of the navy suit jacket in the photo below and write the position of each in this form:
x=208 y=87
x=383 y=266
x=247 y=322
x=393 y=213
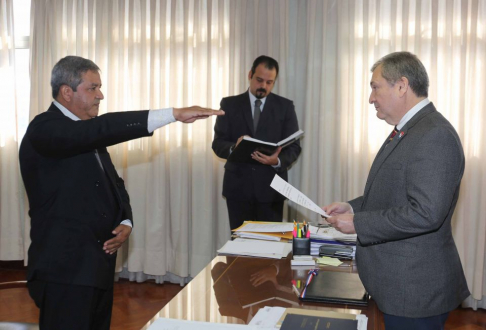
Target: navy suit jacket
x=74 y=202
x=278 y=121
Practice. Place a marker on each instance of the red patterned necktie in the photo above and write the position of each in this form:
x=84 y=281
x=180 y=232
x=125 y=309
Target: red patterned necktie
x=395 y=131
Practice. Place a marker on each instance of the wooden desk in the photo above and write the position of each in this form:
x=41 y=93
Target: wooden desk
x=226 y=291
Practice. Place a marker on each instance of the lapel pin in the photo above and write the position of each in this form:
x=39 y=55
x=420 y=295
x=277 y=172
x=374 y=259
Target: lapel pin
x=401 y=134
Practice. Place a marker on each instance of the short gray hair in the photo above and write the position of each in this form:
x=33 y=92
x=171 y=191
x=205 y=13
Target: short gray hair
x=396 y=65
x=68 y=71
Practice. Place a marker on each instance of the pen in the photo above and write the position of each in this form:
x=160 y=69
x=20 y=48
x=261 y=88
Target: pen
x=295 y=290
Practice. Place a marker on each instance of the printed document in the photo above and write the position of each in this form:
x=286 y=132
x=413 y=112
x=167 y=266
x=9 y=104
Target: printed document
x=295 y=195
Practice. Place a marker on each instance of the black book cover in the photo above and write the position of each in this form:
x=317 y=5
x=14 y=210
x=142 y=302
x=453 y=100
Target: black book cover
x=242 y=153
x=336 y=288
x=306 y=322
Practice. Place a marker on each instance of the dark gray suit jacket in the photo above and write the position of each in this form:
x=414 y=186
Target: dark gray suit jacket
x=278 y=121
x=74 y=203
x=406 y=255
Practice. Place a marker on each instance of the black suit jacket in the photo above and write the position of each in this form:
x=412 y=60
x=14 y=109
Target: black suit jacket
x=74 y=203
x=278 y=121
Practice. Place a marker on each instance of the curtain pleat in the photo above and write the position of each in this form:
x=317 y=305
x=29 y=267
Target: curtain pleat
x=11 y=194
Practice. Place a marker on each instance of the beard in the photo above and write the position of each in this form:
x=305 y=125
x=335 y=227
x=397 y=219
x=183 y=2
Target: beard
x=261 y=93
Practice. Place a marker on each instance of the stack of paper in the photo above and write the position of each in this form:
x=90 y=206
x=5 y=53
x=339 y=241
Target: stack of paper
x=260 y=239
x=302 y=261
x=329 y=233
x=271 y=231
x=256 y=248
x=329 y=236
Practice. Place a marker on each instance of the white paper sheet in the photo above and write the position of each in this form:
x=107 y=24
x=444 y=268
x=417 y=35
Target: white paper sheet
x=267 y=317
x=333 y=234
x=295 y=195
x=258 y=236
x=277 y=227
x=173 y=324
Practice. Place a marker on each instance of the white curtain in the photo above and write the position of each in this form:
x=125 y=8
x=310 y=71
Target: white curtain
x=177 y=53
x=11 y=224
x=153 y=54
x=343 y=40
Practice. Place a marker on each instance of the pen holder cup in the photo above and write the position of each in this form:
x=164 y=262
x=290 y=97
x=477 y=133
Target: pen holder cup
x=300 y=246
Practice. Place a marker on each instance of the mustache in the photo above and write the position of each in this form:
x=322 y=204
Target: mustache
x=263 y=90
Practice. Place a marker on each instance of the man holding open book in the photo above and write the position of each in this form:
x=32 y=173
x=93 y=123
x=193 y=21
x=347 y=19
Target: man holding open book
x=265 y=116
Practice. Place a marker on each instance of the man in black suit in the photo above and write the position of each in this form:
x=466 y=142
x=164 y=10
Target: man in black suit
x=79 y=208
x=265 y=116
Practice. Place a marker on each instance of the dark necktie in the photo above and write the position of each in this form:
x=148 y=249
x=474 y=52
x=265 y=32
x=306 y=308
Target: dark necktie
x=256 y=114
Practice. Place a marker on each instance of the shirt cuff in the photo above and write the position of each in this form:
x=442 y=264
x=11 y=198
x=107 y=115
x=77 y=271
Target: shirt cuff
x=158 y=118
x=127 y=223
x=278 y=165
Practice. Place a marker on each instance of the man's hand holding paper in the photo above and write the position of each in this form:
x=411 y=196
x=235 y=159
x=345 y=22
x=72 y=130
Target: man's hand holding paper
x=341 y=217
x=338 y=215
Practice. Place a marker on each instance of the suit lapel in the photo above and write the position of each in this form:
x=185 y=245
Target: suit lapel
x=245 y=108
x=386 y=149
x=106 y=162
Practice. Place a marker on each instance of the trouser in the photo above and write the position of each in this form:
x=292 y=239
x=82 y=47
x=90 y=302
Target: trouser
x=74 y=307
x=407 y=323
x=240 y=211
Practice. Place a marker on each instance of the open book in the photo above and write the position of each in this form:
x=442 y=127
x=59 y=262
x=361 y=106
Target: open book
x=242 y=153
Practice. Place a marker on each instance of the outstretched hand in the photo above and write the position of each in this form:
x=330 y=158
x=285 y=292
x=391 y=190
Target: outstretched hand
x=191 y=114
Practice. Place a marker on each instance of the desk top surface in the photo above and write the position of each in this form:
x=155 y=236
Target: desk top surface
x=232 y=290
